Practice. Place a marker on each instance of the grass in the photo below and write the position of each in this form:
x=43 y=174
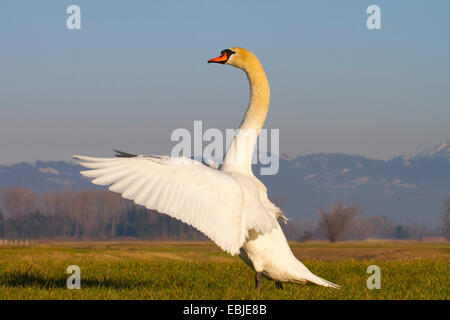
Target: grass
x=149 y=270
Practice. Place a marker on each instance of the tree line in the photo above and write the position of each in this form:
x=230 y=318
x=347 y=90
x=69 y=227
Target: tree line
x=341 y=221
x=87 y=214
x=103 y=215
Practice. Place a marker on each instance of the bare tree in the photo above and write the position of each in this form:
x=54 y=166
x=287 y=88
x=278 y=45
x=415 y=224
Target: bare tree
x=18 y=202
x=109 y=205
x=336 y=220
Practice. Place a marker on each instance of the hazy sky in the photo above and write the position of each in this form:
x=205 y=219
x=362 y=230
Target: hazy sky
x=137 y=70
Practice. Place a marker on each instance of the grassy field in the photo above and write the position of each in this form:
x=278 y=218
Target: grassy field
x=151 y=270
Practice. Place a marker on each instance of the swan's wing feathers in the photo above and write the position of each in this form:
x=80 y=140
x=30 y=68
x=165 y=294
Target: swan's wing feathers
x=273 y=208
x=267 y=203
x=185 y=189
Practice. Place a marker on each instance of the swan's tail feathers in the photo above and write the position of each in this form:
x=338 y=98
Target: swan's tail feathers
x=312 y=278
x=121 y=154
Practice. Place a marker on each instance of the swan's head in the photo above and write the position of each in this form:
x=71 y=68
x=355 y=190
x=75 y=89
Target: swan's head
x=236 y=57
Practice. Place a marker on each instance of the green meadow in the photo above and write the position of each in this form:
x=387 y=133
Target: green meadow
x=177 y=270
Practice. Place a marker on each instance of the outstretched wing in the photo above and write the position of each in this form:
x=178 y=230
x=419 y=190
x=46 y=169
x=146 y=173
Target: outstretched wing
x=205 y=198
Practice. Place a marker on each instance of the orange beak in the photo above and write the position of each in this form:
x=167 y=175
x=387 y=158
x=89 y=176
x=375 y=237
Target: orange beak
x=220 y=59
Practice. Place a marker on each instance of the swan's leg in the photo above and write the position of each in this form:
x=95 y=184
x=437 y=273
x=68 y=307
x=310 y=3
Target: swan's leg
x=258 y=278
x=278 y=285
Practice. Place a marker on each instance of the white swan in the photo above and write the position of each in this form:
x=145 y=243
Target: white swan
x=229 y=205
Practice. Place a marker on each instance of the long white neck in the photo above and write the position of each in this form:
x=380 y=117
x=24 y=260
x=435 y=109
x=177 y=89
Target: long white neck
x=240 y=152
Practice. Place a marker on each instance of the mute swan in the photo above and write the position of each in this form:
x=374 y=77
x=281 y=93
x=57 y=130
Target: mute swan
x=229 y=205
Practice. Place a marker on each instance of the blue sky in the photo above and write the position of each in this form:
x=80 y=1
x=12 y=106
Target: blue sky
x=137 y=70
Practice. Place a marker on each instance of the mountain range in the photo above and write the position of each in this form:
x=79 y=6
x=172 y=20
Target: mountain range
x=406 y=187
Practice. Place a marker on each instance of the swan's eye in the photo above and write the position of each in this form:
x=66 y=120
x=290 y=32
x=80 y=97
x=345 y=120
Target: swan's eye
x=228 y=52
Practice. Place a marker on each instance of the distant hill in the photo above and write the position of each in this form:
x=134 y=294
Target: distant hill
x=401 y=188
x=43 y=176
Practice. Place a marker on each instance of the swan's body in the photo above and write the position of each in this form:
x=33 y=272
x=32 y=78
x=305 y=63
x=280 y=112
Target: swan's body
x=229 y=205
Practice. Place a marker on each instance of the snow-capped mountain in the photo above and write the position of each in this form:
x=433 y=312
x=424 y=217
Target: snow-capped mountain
x=442 y=150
